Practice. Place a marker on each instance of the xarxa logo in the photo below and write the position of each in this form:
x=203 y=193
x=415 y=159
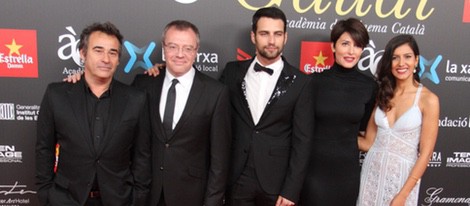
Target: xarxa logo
x=431 y=74
x=145 y=52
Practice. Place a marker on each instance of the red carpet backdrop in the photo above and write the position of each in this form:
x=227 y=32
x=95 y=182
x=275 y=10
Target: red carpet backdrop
x=38 y=45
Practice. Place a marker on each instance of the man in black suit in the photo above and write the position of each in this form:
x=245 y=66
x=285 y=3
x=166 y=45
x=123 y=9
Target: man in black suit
x=272 y=119
x=102 y=129
x=191 y=138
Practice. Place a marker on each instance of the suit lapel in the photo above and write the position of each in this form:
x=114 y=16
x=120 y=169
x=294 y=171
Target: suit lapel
x=286 y=79
x=193 y=99
x=155 y=91
x=78 y=101
x=242 y=105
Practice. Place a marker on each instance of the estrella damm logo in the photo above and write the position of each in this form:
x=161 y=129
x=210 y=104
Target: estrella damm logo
x=18 y=53
x=315 y=57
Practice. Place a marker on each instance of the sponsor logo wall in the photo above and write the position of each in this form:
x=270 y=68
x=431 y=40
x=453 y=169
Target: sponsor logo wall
x=35 y=51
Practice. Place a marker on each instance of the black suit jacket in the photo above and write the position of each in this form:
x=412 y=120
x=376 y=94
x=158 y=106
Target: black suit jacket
x=281 y=139
x=191 y=166
x=122 y=163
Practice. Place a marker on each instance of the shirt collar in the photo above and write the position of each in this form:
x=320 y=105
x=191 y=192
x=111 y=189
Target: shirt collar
x=185 y=80
x=107 y=93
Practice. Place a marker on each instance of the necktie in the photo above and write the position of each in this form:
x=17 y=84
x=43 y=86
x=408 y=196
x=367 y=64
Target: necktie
x=260 y=68
x=170 y=108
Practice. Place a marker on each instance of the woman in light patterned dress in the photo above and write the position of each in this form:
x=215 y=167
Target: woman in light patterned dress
x=402 y=131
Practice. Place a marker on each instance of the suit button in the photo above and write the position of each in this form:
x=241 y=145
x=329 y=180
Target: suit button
x=167 y=145
x=245 y=151
x=161 y=168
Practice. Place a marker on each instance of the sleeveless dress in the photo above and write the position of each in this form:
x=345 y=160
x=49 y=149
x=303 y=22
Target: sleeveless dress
x=389 y=161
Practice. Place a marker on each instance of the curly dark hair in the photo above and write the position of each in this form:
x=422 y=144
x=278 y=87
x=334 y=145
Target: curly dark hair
x=384 y=69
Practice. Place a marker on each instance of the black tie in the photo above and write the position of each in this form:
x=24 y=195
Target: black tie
x=170 y=108
x=259 y=68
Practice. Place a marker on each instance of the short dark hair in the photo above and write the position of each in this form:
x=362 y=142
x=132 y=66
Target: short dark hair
x=354 y=27
x=269 y=12
x=106 y=27
x=181 y=25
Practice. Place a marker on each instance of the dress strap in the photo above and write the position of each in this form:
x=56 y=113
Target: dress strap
x=418 y=93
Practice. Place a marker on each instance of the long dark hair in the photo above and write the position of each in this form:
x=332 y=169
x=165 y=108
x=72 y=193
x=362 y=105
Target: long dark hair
x=384 y=69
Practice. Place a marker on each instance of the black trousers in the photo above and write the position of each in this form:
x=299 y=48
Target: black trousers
x=247 y=191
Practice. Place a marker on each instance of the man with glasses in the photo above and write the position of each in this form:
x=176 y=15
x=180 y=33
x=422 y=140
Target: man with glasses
x=190 y=115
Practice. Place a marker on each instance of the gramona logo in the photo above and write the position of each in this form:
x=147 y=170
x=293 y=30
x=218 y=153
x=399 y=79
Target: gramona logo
x=18 y=53
x=315 y=57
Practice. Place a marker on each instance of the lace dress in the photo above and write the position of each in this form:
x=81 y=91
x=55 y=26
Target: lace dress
x=391 y=158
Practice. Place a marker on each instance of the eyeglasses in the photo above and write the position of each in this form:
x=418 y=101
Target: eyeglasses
x=173 y=48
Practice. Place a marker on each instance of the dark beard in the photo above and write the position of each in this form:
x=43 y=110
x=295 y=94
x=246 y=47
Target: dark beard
x=269 y=56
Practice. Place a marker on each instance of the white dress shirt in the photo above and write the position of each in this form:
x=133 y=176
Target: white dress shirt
x=182 y=93
x=260 y=86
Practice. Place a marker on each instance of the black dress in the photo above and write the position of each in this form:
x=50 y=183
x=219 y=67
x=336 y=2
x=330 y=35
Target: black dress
x=344 y=99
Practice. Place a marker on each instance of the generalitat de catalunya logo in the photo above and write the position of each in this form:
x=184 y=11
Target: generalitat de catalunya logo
x=315 y=57
x=18 y=53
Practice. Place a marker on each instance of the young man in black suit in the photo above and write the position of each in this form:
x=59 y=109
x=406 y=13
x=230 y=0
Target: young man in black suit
x=191 y=145
x=272 y=119
x=102 y=128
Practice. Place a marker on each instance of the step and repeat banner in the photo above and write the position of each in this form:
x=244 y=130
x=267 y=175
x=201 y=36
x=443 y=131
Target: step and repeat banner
x=39 y=42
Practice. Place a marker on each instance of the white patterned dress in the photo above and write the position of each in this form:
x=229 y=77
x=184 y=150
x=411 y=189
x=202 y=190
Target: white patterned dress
x=389 y=161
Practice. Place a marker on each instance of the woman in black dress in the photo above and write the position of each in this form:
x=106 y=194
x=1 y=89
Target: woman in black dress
x=344 y=98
